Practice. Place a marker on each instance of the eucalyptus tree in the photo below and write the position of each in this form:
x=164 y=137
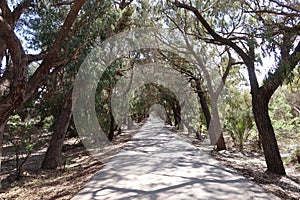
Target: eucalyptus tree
x=247 y=27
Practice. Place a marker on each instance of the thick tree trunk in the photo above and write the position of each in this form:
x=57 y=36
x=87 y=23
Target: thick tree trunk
x=221 y=143
x=129 y=122
x=168 y=119
x=53 y=155
x=269 y=143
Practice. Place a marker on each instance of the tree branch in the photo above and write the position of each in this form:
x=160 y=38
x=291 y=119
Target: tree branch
x=284 y=6
x=53 y=54
x=286 y=65
x=249 y=62
x=19 y=10
x=6 y=12
x=15 y=48
x=63 y=3
x=32 y=58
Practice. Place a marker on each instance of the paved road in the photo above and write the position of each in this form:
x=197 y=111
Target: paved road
x=158 y=164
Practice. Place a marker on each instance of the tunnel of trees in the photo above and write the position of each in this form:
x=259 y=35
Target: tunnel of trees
x=150 y=94
x=254 y=46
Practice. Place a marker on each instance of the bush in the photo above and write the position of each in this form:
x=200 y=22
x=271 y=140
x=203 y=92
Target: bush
x=23 y=137
x=239 y=119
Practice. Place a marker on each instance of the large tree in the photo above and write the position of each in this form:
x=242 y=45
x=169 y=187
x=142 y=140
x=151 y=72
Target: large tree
x=275 y=25
x=16 y=85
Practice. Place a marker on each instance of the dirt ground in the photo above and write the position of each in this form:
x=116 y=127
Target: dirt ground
x=251 y=164
x=80 y=166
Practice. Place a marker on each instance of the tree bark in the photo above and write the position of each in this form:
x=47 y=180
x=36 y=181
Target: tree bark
x=53 y=155
x=267 y=134
x=221 y=145
x=112 y=126
x=21 y=90
x=177 y=114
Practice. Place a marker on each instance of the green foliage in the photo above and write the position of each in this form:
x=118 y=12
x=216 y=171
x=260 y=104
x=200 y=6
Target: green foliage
x=285 y=121
x=96 y=21
x=239 y=119
x=104 y=93
x=148 y=95
x=294 y=158
x=23 y=137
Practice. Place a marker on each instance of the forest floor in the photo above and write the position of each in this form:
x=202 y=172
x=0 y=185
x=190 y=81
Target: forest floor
x=79 y=166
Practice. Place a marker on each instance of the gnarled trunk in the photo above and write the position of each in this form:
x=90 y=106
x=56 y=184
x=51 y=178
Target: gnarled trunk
x=203 y=102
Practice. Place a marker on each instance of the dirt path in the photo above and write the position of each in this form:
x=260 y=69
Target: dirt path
x=158 y=164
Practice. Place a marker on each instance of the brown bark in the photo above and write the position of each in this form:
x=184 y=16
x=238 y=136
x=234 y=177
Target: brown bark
x=112 y=126
x=52 y=56
x=1 y=143
x=53 y=155
x=176 y=113
x=20 y=89
x=18 y=84
x=221 y=145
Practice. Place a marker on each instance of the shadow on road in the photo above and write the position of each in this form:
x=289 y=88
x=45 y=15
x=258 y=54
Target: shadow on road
x=158 y=164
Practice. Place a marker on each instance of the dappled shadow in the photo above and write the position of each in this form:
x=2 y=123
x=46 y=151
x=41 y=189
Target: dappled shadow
x=158 y=164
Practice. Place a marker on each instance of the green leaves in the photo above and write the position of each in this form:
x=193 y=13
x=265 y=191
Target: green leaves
x=285 y=120
x=239 y=118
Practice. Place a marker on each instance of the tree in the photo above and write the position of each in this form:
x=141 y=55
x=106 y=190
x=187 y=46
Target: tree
x=19 y=87
x=270 y=17
x=53 y=155
x=98 y=27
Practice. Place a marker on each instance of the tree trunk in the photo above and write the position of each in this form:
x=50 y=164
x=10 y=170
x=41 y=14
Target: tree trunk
x=205 y=108
x=177 y=115
x=112 y=127
x=53 y=155
x=269 y=143
x=221 y=143
x=129 y=122
x=203 y=102
x=2 y=127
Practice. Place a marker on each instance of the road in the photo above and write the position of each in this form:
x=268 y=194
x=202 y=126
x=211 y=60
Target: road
x=159 y=164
